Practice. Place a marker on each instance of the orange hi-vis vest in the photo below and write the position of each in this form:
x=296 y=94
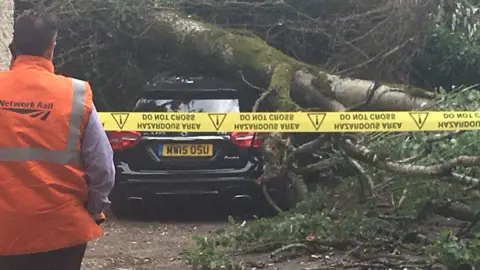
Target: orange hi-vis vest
x=43 y=187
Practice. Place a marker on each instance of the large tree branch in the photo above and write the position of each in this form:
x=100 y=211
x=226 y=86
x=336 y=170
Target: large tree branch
x=444 y=170
x=231 y=51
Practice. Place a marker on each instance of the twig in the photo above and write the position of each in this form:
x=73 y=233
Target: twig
x=362 y=174
x=321 y=165
x=396 y=218
x=251 y=85
x=445 y=136
x=369 y=96
x=270 y=200
x=415 y=158
x=261 y=248
x=262 y=98
x=308 y=147
x=474 y=222
x=447 y=208
x=402 y=199
x=453 y=209
x=349 y=266
x=291 y=246
x=469 y=179
x=355 y=249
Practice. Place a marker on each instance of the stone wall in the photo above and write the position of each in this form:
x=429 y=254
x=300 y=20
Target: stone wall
x=6 y=29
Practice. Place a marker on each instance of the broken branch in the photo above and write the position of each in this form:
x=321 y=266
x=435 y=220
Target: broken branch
x=439 y=170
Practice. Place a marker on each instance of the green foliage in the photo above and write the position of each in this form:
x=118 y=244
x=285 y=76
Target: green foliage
x=336 y=215
x=306 y=221
x=207 y=256
x=454 y=252
x=402 y=146
x=452 y=52
x=449 y=59
x=303 y=225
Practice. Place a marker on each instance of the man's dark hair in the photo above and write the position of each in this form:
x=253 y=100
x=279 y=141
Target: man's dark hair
x=33 y=32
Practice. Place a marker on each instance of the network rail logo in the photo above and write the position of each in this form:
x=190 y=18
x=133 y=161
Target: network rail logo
x=34 y=109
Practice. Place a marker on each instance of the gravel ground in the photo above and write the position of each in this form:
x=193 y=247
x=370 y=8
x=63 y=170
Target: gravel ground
x=155 y=245
x=148 y=244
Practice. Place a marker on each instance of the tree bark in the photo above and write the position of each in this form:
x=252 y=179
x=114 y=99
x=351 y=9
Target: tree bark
x=249 y=55
x=6 y=31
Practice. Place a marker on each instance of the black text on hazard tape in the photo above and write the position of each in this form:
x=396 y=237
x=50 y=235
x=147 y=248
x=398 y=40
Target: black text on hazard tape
x=368 y=126
x=448 y=125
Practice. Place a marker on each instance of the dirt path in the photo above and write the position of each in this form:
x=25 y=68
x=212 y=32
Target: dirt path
x=155 y=245
x=144 y=244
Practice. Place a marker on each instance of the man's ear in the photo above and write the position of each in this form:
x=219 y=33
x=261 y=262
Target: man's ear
x=50 y=51
x=11 y=47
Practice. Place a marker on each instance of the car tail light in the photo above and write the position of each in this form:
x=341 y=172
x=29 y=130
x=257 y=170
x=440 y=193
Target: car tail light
x=246 y=139
x=120 y=140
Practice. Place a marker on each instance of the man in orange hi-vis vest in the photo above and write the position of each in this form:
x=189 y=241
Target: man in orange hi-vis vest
x=56 y=164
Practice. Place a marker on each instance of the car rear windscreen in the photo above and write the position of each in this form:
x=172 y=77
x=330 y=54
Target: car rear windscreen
x=193 y=105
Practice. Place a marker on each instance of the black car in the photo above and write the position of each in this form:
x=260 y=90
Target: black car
x=230 y=163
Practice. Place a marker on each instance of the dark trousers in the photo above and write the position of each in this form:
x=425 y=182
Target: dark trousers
x=61 y=259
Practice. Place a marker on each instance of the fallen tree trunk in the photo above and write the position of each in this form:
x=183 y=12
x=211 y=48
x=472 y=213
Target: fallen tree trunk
x=252 y=58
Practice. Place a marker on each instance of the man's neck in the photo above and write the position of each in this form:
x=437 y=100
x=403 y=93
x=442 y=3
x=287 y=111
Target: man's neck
x=30 y=60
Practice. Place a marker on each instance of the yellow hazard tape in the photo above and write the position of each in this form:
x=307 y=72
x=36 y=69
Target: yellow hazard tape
x=293 y=122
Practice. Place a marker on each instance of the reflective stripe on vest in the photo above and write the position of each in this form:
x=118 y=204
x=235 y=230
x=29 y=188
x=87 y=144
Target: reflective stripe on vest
x=69 y=155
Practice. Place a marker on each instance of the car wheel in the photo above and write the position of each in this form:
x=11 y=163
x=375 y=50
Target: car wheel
x=119 y=205
x=287 y=198
x=283 y=194
x=120 y=209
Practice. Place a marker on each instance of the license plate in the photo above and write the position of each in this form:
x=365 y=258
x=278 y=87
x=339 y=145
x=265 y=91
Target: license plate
x=186 y=150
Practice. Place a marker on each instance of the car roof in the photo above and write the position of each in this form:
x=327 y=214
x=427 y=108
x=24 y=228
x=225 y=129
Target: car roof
x=192 y=87
x=191 y=94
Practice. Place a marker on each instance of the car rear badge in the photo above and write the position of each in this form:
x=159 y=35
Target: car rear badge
x=183 y=133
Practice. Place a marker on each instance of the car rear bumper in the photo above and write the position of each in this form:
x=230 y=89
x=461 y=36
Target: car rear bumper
x=146 y=189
